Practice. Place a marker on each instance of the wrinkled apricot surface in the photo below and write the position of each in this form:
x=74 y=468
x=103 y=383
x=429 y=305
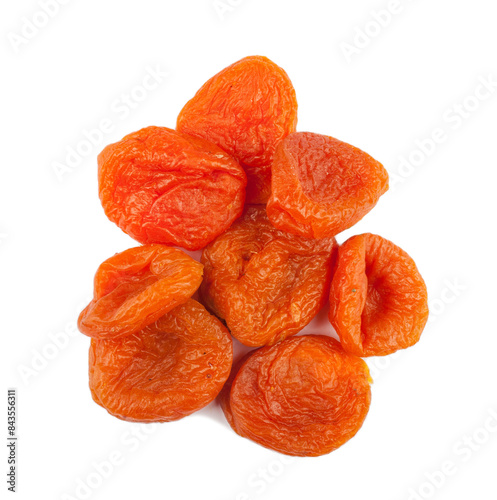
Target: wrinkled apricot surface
x=164 y=372
x=378 y=299
x=322 y=186
x=304 y=396
x=246 y=109
x=264 y=203
x=266 y=284
x=136 y=287
x=158 y=186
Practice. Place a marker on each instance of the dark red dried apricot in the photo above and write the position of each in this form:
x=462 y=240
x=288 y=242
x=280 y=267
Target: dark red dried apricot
x=246 y=109
x=164 y=372
x=378 y=299
x=266 y=284
x=163 y=186
x=304 y=396
x=321 y=186
x=136 y=287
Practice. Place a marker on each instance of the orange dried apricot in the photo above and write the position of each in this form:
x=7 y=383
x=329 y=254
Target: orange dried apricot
x=378 y=299
x=136 y=287
x=158 y=185
x=164 y=372
x=304 y=396
x=266 y=284
x=321 y=186
x=246 y=109
x=158 y=355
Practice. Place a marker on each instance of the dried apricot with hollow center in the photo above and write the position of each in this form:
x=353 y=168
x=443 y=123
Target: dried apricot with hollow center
x=246 y=109
x=164 y=372
x=162 y=186
x=304 y=396
x=378 y=299
x=136 y=287
x=322 y=186
x=266 y=284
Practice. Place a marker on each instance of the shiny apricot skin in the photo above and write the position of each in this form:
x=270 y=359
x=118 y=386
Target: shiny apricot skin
x=266 y=284
x=136 y=287
x=246 y=109
x=170 y=369
x=321 y=186
x=158 y=185
x=304 y=396
x=378 y=298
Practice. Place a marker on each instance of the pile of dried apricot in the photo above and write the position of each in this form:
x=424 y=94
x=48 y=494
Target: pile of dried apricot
x=264 y=203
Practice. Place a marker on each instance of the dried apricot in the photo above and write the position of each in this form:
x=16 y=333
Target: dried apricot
x=322 y=186
x=158 y=185
x=266 y=284
x=246 y=109
x=136 y=287
x=164 y=372
x=378 y=299
x=304 y=396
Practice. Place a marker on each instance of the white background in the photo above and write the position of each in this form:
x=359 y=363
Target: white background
x=432 y=404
